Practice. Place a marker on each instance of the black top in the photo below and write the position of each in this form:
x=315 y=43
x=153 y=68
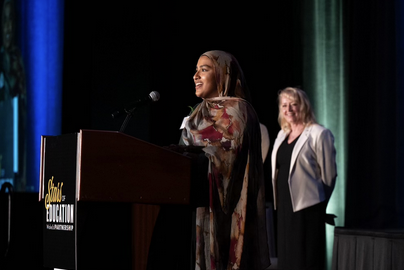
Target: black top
x=283 y=165
x=301 y=234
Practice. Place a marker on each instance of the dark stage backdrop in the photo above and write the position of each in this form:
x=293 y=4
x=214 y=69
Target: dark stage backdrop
x=126 y=52
x=375 y=97
x=115 y=54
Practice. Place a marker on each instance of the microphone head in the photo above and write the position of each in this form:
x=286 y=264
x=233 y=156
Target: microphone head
x=154 y=96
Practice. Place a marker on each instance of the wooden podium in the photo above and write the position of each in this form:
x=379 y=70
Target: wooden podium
x=93 y=185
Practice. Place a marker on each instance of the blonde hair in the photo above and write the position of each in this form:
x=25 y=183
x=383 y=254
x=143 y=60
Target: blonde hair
x=299 y=96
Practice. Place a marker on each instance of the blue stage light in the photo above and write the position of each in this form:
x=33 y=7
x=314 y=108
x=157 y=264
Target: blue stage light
x=41 y=42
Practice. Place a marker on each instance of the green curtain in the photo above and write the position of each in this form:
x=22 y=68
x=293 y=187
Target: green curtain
x=324 y=82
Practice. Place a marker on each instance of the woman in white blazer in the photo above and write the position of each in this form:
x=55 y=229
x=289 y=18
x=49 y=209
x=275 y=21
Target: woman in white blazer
x=303 y=178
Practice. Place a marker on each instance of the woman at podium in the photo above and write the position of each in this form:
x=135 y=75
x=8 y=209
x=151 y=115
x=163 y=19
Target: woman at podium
x=230 y=229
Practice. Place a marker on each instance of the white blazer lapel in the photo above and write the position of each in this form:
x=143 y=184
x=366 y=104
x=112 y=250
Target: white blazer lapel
x=298 y=146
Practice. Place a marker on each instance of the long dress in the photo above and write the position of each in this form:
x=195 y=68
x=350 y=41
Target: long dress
x=301 y=234
x=231 y=232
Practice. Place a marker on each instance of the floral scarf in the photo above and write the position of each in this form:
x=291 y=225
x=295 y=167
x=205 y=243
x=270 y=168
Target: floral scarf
x=231 y=232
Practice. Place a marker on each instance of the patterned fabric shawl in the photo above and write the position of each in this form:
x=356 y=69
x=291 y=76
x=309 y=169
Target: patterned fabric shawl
x=231 y=232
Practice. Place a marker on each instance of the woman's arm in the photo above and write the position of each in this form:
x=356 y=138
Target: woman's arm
x=326 y=154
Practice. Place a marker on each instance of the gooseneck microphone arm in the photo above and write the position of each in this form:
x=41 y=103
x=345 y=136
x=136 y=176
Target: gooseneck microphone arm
x=126 y=121
x=152 y=97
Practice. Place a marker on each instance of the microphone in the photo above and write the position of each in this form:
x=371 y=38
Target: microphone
x=152 y=97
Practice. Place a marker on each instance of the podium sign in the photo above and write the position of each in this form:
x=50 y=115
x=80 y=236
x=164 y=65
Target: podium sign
x=88 y=182
x=58 y=193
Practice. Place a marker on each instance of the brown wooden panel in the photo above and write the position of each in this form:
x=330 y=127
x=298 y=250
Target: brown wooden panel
x=143 y=220
x=117 y=167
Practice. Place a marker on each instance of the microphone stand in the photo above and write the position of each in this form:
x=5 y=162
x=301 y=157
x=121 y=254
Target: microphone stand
x=129 y=114
x=153 y=96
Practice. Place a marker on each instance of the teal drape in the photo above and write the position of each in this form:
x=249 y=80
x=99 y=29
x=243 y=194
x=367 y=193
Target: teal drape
x=324 y=81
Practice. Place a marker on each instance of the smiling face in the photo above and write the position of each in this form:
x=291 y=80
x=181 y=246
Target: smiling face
x=204 y=78
x=290 y=110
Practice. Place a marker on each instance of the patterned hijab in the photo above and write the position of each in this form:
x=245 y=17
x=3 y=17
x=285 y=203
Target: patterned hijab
x=229 y=76
x=231 y=231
